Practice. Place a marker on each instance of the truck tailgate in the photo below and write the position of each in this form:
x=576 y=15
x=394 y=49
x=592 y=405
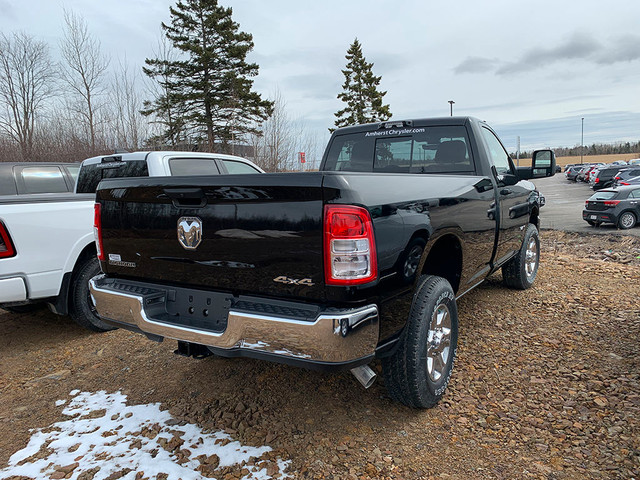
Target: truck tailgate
x=258 y=233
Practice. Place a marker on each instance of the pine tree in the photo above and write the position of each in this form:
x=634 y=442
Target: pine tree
x=360 y=92
x=210 y=83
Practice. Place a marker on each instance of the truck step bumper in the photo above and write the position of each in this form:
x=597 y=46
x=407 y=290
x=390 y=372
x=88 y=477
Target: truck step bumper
x=332 y=336
x=12 y=290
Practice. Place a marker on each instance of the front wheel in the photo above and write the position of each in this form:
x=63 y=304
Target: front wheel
x=81 y=308
x=626 y=221
x=418 y=372
x=520 y=272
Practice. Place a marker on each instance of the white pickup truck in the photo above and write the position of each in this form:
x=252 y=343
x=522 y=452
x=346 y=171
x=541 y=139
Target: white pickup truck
x=47 y=248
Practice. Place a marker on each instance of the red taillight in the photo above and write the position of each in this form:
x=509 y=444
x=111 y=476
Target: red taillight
x=617 y=178
x=6 y=245
x=97 y=231
x=597 y=180
x=624 y=183
x=586 y=204
x=611 y=203
x=349 y=246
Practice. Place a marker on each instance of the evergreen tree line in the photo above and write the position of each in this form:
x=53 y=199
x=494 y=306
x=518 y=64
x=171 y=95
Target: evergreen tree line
x=615 y=148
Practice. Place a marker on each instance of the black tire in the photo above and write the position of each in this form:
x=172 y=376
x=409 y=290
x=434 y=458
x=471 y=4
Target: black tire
x=81 y=308
x=27 y=308
x=627 y=220
x=592 y=223
x=417 y=374
x=520 y=272
x=410 y=260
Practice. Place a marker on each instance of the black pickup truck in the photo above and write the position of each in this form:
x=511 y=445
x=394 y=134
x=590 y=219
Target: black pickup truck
x=331 y=269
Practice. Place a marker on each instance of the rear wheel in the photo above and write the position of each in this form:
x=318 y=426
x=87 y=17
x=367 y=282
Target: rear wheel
x=418 y=372
x=81 y=309
x=627 y=220
x=520 y=272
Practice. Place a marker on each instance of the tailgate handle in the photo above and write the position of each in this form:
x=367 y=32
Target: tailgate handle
x=186 y=197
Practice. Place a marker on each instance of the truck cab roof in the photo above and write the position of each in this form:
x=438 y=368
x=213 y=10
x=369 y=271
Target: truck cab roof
x=159 y=164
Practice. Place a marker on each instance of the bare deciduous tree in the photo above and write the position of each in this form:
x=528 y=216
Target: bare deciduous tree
x=130 y=126
x=282 y=138
x=84 y=71
x=26 y=78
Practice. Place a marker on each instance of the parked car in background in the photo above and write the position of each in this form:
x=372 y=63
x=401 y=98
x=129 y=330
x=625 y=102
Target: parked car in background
x=633 y=181
x=634 y=161
x=572 y=172
x=569 y=165
x=619 y=162
x=592 y=175
x=583 y=175
x=603 y=177
x=620 y=206
x=28 y=178
x=624 y=175
x=589 y=172
x=47 y=247
x=582 y=172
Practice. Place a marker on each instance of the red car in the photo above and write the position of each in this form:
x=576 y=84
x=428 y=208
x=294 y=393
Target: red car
x=587 y=175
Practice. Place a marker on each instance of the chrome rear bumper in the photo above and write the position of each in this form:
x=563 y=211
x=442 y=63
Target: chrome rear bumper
x=334 y=336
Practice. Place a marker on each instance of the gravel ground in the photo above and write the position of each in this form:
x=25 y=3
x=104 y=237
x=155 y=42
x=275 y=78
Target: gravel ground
x=546 y=384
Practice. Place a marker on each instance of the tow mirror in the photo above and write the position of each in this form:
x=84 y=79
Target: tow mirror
x=543 y=164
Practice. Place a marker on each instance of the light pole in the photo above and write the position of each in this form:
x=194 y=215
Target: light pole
x=582 y=141
x=451 y=102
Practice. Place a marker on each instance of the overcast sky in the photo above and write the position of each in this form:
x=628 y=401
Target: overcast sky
x=531 y=69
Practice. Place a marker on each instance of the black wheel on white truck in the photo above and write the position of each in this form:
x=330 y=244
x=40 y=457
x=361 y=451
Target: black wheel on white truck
x=81 y=308
x=418 y=372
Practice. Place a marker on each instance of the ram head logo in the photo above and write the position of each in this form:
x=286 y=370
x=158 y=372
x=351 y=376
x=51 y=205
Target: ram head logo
x=189 y=232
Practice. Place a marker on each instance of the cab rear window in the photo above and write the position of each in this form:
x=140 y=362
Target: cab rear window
x=44 y=180
x=411 y=150
x=91 y=174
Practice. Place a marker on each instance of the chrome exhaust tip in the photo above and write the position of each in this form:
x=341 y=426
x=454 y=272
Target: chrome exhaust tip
x=365 y=375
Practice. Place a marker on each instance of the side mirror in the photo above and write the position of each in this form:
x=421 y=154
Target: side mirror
x=543 y=164
x=508 y=179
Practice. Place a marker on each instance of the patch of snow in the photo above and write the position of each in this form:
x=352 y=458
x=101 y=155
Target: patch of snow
x=110 y=436
x=59 y=403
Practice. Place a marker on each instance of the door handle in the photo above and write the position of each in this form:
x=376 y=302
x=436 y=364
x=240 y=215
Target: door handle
x=186 y=197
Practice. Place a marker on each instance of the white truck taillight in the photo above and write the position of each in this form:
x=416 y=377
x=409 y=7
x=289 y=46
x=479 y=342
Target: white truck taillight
x=97 y=231
x=349 y=246
x=6 y=246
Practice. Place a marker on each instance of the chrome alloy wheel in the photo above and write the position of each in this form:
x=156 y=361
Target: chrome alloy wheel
x=438 y=342
x=531 y=258
x=627 y=220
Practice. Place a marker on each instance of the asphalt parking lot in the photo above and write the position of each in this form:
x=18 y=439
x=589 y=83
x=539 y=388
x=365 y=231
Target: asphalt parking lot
x=565 y=202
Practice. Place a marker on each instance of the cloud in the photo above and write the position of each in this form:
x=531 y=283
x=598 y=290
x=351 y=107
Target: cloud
x=476 y=65
x=623 y=49
x=578 y=46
